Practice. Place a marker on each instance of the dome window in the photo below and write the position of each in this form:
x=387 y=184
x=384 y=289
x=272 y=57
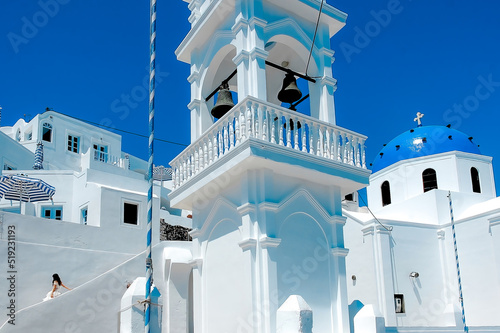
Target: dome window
x=476 y=186
x=429 y=179
x=386 y=193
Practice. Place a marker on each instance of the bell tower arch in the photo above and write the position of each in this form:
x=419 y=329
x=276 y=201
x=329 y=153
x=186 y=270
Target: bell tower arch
x=251 y=37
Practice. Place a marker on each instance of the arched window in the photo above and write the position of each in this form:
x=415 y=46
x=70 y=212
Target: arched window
x=47 y=132
x=386 y=193
x=429 y=179
x=474 y=175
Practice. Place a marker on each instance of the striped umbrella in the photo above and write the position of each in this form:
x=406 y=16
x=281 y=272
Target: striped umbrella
x=38 y=156
x=25 y=189
x=162 y=173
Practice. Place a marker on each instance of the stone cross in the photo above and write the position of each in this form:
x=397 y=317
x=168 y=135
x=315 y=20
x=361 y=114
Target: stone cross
x=417 y=119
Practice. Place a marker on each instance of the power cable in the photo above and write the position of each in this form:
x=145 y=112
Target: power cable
x=128 y=132
x=386 y=228
x=314 y=38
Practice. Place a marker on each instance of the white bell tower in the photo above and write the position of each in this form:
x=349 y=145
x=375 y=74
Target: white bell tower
x=264 y=182
x=243 y=35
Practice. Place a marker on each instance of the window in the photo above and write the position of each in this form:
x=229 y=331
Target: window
x=386 y=193
x=47 y=132
x=476 y=186
x=52 y=212
x=101 y=153
x=73 y=144
x=349 y=197
x=18 y=135
x=28 y=136
x=130 y=213
x=84 y=212
x=429 y=180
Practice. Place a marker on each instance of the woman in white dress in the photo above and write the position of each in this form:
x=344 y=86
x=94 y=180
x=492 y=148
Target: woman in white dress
x=56 y=285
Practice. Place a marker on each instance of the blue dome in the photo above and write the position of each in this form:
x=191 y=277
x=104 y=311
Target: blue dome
x=423 y=141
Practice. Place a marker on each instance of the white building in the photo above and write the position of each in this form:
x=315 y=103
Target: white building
x=274 y=202
x=92 y=232
x=267 y=185
x=405 y=250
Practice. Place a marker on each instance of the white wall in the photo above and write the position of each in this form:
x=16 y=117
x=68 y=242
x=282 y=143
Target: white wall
x=14 y=154
x=452 y=171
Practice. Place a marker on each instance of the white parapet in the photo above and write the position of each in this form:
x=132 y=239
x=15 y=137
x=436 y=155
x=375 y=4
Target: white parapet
x=294 y=316
x=256 y=119
x=369 y=320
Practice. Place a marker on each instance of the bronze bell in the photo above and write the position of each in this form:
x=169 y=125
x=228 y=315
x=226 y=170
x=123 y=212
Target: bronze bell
x=224 y=102
x=290 y=92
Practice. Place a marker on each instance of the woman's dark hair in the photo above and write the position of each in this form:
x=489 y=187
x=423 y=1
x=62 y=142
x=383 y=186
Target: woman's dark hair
x=55 y=277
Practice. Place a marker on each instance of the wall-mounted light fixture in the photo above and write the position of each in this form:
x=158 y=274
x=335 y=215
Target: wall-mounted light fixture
x=414 y=275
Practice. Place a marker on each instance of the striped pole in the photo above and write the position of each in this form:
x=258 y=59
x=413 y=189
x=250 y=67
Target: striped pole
x=149 y=263
x=466 y=329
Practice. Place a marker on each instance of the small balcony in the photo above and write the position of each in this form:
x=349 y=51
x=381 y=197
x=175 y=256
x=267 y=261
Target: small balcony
x=273 y=126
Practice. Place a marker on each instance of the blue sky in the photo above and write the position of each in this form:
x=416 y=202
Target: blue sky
x=89 y=59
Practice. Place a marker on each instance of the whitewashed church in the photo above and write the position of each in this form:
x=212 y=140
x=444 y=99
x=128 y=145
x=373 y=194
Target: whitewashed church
x=269 y=188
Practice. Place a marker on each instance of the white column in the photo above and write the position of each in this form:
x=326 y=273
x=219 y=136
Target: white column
x=338 y=284
x=383 y=273
x=321 y=92
x=201 y=119
x=250 y=58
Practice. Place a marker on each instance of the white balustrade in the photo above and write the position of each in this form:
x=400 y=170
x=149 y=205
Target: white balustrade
x=104 y=157
x=256 y=119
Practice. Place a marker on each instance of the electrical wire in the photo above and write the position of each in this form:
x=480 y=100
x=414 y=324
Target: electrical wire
x=386 y=228
x=314 y=37
x=128 y=132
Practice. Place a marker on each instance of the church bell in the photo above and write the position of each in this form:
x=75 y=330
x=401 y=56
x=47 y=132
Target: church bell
x=290 y=92
x=224 y=102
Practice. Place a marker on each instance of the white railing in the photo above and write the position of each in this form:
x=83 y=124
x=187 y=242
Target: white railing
x=104 y=157
x=253 y=118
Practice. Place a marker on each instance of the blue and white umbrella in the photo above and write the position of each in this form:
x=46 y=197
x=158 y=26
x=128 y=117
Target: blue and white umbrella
x=162 y=173
x=25 y=189
x=38 y=156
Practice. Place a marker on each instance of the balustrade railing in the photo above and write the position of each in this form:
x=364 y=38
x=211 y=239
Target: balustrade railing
x=253 y=118
x=104 y=157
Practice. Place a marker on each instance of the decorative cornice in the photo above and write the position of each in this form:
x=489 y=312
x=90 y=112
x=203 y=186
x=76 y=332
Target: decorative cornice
x=328 y=81
x=194 y=76
x=339 y=251
x=375 y=228
x=380 y=229
x=257 y=22
x=248 y=244
x=246 y=208
x=239 y=25
x=195 y=103
x=266 y=242
x=269 y=206
x=338 y=219
x=241 y=56
x=368 y=230
x=258 y=53
x=327 y=52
